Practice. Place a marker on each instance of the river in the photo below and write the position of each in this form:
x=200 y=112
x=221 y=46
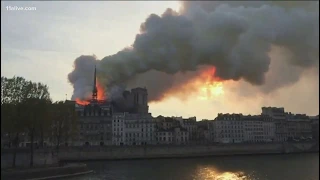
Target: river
x=260 y=167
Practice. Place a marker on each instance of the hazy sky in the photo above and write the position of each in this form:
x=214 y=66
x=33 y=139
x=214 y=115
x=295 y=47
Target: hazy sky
x=41 y=45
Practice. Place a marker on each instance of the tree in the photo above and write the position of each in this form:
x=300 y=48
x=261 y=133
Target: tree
x=36 y=111
x=25 y=109
x=64 y=122
x=13 y=92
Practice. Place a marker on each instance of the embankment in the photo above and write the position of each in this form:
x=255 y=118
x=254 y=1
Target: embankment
x=46 y=173
x=41 y=158
x=45 y=165
x=145 y=152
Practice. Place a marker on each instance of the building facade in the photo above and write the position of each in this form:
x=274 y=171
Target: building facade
x=279 y=116
x=204 y=134
x=94 y=124
x=299 y=126
x=274 y=112
x=228 y=128
x=135 y=101
x=315 y=127
x=173 y=136
x=133 y=129
x=190 y=124
x=253 y=129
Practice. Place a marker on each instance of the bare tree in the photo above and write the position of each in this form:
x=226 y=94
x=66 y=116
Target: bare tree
x=24 y=106
x=37 y=110
x=64 y=122
x=13 y=92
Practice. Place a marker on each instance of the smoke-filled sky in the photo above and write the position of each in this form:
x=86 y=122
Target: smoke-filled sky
x=195 y=59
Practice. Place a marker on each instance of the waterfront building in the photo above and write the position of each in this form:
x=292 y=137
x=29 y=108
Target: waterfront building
x=174 y=135
x=228 y=128
x=94 y=124
x=274 y=112
x=315 y=127
x=281 y=131
x=178 y=118
x=118 y=131
x=133 y=129
x=166 y=122
x=94 y=120
x=299 y=126
x=204 y=134
x=190 y=124
x=269 y=128
x=279 y=116
x=253 y=128
x=237 y=128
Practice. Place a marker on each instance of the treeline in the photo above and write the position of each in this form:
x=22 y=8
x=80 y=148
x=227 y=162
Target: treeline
x=28 y=114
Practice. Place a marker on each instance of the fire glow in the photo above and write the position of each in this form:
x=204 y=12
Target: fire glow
x=212 y=87
x=204 y=86
x=100 y=95
x=101 y=92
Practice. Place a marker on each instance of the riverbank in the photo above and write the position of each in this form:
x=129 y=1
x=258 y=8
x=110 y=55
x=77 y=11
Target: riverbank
x=46 y=173
x=151 y=152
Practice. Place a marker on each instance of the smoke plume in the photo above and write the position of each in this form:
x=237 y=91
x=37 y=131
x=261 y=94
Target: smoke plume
x=233 y=38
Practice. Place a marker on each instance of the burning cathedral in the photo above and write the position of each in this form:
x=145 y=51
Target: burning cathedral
x=96 y=115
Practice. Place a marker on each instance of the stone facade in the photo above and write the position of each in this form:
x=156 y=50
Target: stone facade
x=43 y=158
x=299 y=126
x=204 y=132
x=190 y=125
x=237 y=128
x=169 y=151
x=229 y=128
x=94 y=124
x=175 y=135
x=315 y=127
x=133 y=129
x=274 y=112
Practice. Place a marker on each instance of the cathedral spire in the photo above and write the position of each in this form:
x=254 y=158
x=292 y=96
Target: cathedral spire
x=95 y=91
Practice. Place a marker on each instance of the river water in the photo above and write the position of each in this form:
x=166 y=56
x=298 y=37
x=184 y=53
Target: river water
x=261 y=167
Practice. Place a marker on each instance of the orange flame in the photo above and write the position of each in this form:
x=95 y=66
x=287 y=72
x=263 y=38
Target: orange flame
x=101 y=92
x=100 y=95
x=204 y=84
x=82 y=102
x=212 y=85
x=209 y=75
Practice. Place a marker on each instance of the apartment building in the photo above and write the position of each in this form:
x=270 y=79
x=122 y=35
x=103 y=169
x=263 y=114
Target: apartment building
x=315 y=127
x=190 y=124
x=94 y=124
x=299 y=126
x=228 y=128
x=205 y=132
x=133 y=129
x=253 y=128
x=174 y=136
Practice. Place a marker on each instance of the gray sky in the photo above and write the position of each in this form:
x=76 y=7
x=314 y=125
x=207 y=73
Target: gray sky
x=41 y=45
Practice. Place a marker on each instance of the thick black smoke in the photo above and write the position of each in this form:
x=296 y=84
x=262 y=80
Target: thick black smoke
x=234 y=37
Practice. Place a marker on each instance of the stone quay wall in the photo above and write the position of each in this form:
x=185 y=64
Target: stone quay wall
x=145 y=152
x=68 y=170
x=40 y=158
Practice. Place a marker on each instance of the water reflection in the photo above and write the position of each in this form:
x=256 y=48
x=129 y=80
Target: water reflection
x=210 y=173
x=264 y=167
